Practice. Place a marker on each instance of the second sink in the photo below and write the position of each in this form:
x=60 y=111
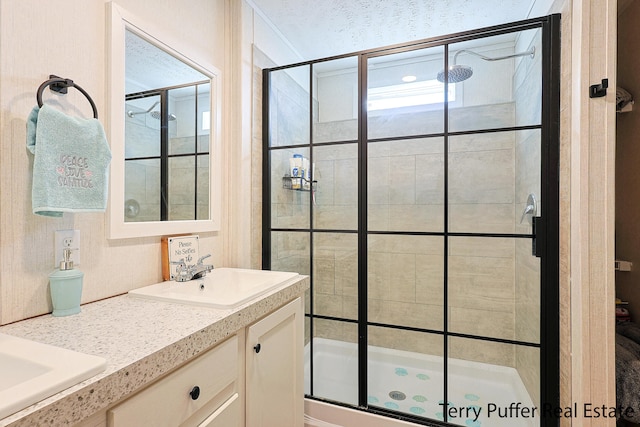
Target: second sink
x=31 y=371
x=222 y=288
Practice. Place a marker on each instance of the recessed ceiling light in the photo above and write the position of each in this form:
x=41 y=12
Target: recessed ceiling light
x=409 y=79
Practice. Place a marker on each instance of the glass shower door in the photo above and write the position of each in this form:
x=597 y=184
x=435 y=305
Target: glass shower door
x=454 y=179
x=405 y=231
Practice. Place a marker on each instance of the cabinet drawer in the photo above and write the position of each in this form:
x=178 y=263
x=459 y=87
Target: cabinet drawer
x=168 y=402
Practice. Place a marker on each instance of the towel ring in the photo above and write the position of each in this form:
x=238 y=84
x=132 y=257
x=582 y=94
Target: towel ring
x=60 y=85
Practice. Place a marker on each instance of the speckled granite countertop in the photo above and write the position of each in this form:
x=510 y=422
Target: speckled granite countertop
x=141 y=340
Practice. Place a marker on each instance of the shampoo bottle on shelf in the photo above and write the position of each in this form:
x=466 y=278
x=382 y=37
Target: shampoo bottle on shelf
x=295 y=164
x=66 y=287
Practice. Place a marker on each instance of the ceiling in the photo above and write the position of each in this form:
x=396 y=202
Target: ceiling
x=148 y=67
x=322 y=28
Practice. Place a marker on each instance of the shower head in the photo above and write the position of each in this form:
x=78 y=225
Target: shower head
x=135 y=113
x=158 y=116
x=459 y=73
x=155 y=114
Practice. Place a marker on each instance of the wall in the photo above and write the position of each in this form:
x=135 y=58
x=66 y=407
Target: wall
x=588 y=171
x=260 y=46
x=68 y=38
x=627 y=157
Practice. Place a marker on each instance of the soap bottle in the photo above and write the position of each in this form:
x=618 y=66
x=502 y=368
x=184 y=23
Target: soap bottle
x=295 y=164
x=66 y=287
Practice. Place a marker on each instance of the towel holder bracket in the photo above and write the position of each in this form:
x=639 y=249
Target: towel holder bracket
x=60 y=85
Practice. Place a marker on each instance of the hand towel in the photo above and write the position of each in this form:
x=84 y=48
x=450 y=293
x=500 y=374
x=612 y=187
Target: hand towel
x=70 y=165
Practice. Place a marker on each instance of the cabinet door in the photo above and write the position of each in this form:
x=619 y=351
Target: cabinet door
x=274 y=375
x=225 y=416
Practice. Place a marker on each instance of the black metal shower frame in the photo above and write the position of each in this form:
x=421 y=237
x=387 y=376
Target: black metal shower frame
x=164 y=156
x=544 y=236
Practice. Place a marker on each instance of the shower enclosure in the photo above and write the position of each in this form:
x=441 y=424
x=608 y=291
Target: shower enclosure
x=425 y=211
x=167 y=153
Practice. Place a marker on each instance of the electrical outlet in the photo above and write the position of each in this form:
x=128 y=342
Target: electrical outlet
x=67 y=239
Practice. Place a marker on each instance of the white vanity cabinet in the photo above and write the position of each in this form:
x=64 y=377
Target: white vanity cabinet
x=274 y=371
x=254 y=378
x=204 y=392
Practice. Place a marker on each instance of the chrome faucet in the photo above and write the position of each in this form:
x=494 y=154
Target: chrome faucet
x=186 y=272
x=200 y=269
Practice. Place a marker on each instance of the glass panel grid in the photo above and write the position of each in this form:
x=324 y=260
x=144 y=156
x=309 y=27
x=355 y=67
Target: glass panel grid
x=335 y=361
x=452 y=231
x=335 y=275
x=487 y=377
x=406 y=281
x=289 y=93
x=406 y=372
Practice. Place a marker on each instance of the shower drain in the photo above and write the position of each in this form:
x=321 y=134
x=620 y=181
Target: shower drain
x=397 y=395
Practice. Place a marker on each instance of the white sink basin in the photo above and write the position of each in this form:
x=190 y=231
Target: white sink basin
x=31 y=371
x=222 y=288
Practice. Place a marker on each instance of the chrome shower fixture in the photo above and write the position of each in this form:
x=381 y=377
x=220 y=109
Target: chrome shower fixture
x=459 y=73
x=155 y=114
x=132 y=113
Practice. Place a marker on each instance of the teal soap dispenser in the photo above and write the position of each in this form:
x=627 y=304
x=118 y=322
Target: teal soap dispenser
x=66 y=287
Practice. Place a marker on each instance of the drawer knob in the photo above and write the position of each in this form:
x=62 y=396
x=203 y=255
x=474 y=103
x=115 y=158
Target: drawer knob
x=195 y=393
x=257 y=347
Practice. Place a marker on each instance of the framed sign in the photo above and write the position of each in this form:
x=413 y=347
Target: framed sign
x=176 y=249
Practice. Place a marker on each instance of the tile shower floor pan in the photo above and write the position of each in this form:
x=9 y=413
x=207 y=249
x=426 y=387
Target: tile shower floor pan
x=413 y=383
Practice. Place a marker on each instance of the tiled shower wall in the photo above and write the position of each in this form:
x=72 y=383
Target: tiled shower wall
x=405 y=193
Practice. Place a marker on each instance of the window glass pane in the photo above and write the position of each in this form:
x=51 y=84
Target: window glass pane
x=202 y=190
x=404 y=97
x=142 y=190
x=481 y=286
x=405 y=280
x=182 y=120
x=142 y=132
x=289 y=120
x=490 y=178
x=204 y=117
x=500 y=92
x=182 y=181
x=484 y=374
x=289 y=195
x=336 y=195
x=406 y=371
x=335 y=275
x=335 y=361
x=527 y=293
x=335 y=106
x=406 y=185
x=290 y=251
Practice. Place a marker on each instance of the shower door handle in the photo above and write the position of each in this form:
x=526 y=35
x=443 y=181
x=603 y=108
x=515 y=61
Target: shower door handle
x=538 y=243
x=530 y=209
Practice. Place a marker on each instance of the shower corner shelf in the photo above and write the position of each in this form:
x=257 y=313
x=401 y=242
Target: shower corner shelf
x=298 y=184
